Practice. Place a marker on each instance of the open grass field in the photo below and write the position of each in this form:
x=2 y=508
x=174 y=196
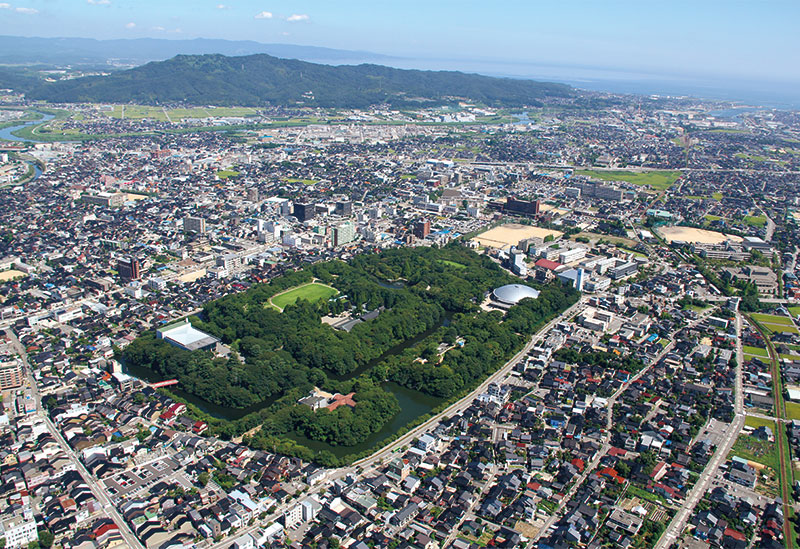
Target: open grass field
x=658 y=180
x=452 y=264
x=795 y=311
x=225 y=174
x=510 y=234
x=792 y=409
x=756 y=422
x=312 y=292
x=755 y=351
x=760 y=451
x=755 y=220
x=303 y=181
x=138 y=112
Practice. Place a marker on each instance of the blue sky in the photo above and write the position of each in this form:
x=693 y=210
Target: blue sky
x=752 y=40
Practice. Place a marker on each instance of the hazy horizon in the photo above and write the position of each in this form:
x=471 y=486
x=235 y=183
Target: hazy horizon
x=719 y=40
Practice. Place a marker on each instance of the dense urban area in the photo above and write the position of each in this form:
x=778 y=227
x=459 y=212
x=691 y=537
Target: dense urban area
x=573 y=324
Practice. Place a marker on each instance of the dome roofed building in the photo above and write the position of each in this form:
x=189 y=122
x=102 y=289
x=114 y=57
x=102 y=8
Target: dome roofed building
x=511 y=294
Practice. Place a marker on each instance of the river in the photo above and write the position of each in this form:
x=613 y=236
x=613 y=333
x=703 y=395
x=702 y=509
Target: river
x=6 y=134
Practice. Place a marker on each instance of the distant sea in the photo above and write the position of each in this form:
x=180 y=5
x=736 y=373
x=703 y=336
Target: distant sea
x=750 y=92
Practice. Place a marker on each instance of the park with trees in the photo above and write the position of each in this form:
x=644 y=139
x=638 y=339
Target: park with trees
x=426 y=297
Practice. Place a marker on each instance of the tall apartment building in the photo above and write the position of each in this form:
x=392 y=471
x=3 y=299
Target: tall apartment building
x=422 y=228
x=194 y=224
x=129 y=268
x=11 y=375
x=343 y=234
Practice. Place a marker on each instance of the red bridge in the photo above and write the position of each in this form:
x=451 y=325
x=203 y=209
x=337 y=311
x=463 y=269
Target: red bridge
x=165 y=383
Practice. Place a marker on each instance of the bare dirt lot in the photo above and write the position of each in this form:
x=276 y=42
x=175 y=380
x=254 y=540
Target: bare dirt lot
x=698 y=236
x=510 y=234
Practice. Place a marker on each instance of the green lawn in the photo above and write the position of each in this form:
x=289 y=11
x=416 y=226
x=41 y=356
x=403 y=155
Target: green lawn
x=658 y=180
x=795 y=311
x=792 y=409
x=756 y=422
x=225 y=174
x=716 y=196
x=755 y=351
x=452 y=263
x=303 y=181
x=311 y=292
x=755 y=220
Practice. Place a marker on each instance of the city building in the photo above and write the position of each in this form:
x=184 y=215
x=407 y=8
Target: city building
x=194 y=224
x=185 y=336
x=129 y=268
x=522 y=207
x=18 y=530
x=108 y=200
x=422 y=228
x=344 y=208
x=11 y=375
x=343 y=234
x=304 y=211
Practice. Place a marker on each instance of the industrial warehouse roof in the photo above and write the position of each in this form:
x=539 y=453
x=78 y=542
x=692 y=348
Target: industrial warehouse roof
x=514 y=293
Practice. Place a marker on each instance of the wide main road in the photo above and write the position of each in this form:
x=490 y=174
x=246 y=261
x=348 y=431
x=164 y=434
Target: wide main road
x=98 y=492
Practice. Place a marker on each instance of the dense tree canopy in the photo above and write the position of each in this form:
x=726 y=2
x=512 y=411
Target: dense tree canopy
x=427 y=296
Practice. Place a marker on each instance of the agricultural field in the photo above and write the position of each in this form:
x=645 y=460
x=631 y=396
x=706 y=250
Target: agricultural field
x=139 y=112
x=312 y=291
x=775 y=323
x=657 y=180
x=792 y=409
x=755 y=351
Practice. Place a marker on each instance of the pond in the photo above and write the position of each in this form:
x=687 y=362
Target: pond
x=412 y=405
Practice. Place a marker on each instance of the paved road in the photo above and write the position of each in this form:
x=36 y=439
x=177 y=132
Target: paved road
x=95 y=487
x=678 y=523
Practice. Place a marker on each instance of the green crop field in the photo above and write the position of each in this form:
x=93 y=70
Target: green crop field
x=311 y=292
x=772 y=319
x=755 y=351
x=658 y=180
x=792 y=409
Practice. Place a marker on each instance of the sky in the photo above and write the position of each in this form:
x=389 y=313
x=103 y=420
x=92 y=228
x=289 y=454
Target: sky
x=754 y=40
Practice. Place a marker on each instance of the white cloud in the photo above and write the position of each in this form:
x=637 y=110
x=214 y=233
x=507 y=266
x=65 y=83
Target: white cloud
x=264 y=15
x=159 y=29
x=223 y=7
x=99 y=2
x=295 y=17
x=130 y=25
x=27 y=11
x=4 y=6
